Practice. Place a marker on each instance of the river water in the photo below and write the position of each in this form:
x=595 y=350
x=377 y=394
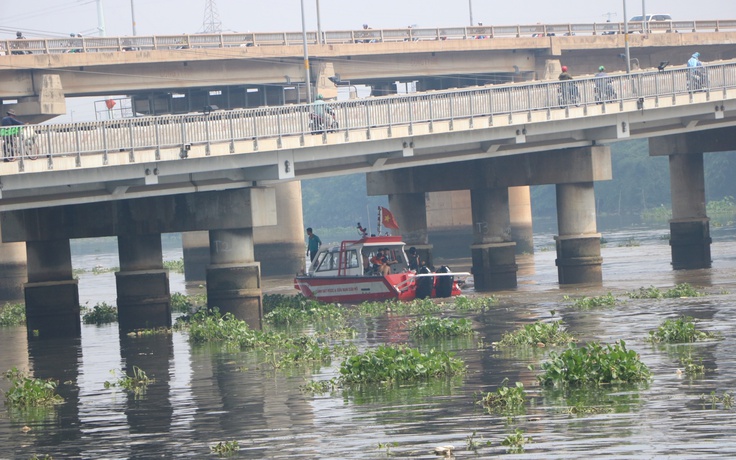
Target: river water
x=203 y=396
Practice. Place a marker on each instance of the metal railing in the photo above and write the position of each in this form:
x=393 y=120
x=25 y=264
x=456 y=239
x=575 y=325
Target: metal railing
x=203 y=41
x=482 y=103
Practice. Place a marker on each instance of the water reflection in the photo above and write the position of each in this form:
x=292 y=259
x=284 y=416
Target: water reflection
x=205 y=395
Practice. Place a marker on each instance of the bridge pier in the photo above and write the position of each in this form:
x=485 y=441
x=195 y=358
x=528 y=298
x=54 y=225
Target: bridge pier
x=52 y=293
x=690 y=227
x=234 y=277
x=144 y=300
x=520 y=218
x=12 y=271
x=410 y=211
x=493 y=251
x=578 y=243
x=196 y=251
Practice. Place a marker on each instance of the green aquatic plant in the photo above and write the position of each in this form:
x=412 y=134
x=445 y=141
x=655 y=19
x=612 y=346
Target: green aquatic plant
x=586 y=303
x=691 y=368
x=181 y=303
x=537 y=334
x=631 y=242
x=647 y=293
x=474 y=444
x=433 y=327
x=505 y=399
x=320 y=386
x=225 y=448
x=682 y=290
x=99 y=269
x=680 y=330
x=137 y=383
x=386 y=446
x=468 y=304
x=12 y=314
x=398 y=364
x=725 y=400
x=26 y=391
x=176 y=266
x=413 y=307
x=594 y=364
x=102 y=313
x=299 y=309
x=515 y=442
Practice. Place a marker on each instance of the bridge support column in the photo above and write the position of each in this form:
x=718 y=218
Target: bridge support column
x=520 y=215
x=52 y=293
x=142 y=284
x=578 y=243
x=410 y=210
x=690 y=227
x=13 y=273
x=196 y=249
x=234 y=277
x=493 y=252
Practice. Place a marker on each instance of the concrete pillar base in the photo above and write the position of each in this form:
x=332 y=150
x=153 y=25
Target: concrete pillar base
x=690 y=242
x=12 y=280
x=52 y=309
x=579 y=259
x=144 y=301
x=494 y=266
x=236 y=288
x=196 y=250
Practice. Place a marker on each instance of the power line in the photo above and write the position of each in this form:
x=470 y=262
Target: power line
x=211 y=23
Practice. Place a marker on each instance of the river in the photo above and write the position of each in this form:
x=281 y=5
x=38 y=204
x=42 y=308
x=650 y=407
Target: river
x=202 y=397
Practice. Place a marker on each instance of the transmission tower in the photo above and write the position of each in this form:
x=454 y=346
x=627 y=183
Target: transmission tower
x=211 y=23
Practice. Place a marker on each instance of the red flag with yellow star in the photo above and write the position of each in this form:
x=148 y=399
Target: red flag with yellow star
x=387 y=219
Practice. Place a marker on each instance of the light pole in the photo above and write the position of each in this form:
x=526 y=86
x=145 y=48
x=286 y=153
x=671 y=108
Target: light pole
x=319 y=25
x=470 y=10
x=132 y=15
x=644 y=22
x=626 y=40
x=306 y=57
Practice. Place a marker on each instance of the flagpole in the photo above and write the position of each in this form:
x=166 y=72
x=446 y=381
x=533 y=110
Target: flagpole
x=378 y=232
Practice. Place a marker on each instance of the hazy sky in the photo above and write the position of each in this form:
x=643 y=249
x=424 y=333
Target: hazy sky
x=38 y=18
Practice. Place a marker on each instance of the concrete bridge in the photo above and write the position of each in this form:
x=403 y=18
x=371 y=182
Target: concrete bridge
x=142 y=177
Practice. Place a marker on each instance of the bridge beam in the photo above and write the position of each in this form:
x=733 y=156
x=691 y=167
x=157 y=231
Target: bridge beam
x=234 y=277
x=144 y=300
x=410 y=210
x=578 y=243
x=493 y=251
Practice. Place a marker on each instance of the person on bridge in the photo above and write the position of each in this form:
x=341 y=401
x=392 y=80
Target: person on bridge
x=568 y=90
x=313 y=244
x=20 y=46
x=696 y=73
x=323 y=115
x=603 y=86
x=13 y=138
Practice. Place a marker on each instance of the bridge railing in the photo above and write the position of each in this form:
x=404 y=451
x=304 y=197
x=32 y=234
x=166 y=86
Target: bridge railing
x=173 y=42
x=178 y=131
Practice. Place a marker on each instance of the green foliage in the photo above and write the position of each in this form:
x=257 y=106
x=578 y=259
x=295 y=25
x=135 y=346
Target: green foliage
x=725 y=206
x=726 y=400
x=629 y=243
x=45 y=457
x=680 y=330
x=398 y=364
x=183 y=303
x=505 y=399
x=25 y=391
x=149 y=332
x=414 y=307
x=386 y=446
x=283 y=310
x=225 y=448
x=137 y=383
x=99 y=269
x=13 y=314
x=466 y=304
x=537 y=334
x=320 y=386
x=658 y=214
x=515 y=442
x=586 y=303
x=431 y=326
x=102 y=313
x=176 y=266
x=475 y=444
x=682 y=290
x=691 y=368
x=594 y=364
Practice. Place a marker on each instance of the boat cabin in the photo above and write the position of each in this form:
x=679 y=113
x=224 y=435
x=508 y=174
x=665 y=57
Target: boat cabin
x=353 y=258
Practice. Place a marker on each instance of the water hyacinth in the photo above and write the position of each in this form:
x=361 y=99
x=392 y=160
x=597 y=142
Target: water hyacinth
x=432 y=327
x=537 y=334
x=680 y=330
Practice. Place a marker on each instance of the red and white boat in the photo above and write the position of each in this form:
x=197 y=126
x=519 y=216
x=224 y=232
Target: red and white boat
x=342 y=273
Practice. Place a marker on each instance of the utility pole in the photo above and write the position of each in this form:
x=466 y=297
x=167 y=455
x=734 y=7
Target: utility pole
x=100 y=19
x=211 y=23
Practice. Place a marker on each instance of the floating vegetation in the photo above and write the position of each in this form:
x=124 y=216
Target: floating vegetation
x=515 y=442
x=414 y=307
x=471 y=443
x=285 y=310
x=691 y=368
x=586 y=303
x=136 y=383
x=102 y=313
x=176 y=266
x=225 y=448
x=537 y=334
x=149 y=332
x=320 y=386
x=386 y=446
x=45 y=457
x=680 y=330
x=506 y=399
x=680 y=291
x=12 y=314
x=26 y=392
x=398 y=364
x=594 y=364
x=99 y=269
x=725 y=401
x=631 y=242
x=433 y=327
x=467 y=304
x=183 y=303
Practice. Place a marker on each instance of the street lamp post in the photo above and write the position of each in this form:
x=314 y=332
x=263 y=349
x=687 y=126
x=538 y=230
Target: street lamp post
x=470 y=10
x=626 y=40
x=132 y=15
x=306 y=57
x=319 y=25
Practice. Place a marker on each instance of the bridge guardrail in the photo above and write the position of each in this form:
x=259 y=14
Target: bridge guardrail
x=174 y=42
x=177 y=131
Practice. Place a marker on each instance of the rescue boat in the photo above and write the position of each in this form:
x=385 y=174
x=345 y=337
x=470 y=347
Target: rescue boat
x=344 y=273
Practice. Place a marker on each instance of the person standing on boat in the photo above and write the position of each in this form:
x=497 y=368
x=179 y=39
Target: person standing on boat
x=313 y=244
x=413 y=259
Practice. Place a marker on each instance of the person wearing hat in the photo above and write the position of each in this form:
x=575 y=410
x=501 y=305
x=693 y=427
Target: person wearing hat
x=19 y=36
x=696 y=75
x=10 y=141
